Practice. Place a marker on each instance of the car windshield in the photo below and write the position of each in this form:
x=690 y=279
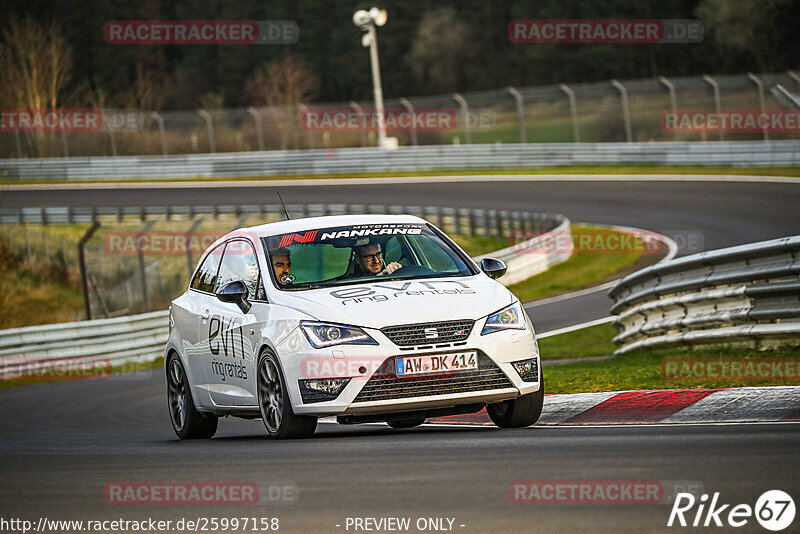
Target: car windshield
x=354 y=254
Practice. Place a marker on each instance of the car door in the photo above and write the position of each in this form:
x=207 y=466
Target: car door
x=190 y=313
x=229 y=353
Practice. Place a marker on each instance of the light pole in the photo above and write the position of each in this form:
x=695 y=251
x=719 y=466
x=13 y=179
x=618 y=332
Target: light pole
x=367 y=21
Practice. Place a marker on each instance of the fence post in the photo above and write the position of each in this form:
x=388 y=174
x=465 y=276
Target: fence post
x=358 y=109
x=19 y=144
x=573 y=111
x=161 y=132
x=760 y=86
x=626 y=113
x=82 y=263
x=142 y=272
x=795 y=77
x=210 y=127
x=673 y=101
x=309 y=133
x=257 y=119
x=465 y=110
x=111 y=135
x=65 y=145
x=520 y=113
x=406 y=104
x=192 y=229
x=717 y=104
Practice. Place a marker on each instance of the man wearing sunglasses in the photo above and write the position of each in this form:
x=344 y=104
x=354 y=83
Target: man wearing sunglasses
x=369 y=261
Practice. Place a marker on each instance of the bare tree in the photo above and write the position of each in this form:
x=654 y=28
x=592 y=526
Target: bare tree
x=283 y=85
x=38 y=62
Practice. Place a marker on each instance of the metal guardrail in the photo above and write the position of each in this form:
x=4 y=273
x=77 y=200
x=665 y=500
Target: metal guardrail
x=109 y=341
x=403 y=159
x=743 y=293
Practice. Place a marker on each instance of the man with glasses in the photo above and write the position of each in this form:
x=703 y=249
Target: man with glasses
x=369 y=261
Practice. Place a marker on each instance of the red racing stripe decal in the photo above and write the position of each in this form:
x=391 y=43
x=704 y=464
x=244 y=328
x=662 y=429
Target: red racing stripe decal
x=640 y=406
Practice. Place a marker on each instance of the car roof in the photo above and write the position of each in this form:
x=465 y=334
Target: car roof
x=313 y=223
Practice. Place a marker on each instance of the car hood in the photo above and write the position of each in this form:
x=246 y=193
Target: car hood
x=376 y=305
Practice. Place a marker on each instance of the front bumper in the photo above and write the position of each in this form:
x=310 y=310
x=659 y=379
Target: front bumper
x=373 y=388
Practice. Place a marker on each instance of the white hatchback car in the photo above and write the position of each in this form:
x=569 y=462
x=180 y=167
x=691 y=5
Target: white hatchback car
x=365 y=317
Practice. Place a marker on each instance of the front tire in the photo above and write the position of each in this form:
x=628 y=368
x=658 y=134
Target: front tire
x=520 y=412
x=187 y=422
x=273 y=401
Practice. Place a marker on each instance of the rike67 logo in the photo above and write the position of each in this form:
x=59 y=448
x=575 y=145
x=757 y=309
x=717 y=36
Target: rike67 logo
x=774 y=510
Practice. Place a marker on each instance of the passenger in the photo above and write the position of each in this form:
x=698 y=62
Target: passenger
x=282 y=265
x=369 y=261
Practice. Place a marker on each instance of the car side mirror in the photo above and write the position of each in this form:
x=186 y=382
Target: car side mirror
x=235 y=293
x=493 y=268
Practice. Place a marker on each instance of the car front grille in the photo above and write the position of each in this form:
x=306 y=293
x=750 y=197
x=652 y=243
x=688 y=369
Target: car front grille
x=421 y=334
x=384 y=385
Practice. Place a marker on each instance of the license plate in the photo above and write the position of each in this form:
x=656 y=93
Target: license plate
x=435 y=363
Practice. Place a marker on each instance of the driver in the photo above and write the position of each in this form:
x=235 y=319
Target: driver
x=282 y=265
x=369 y=261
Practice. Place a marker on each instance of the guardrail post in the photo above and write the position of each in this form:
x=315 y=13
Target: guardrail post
x=406 y=104
x=573 y=111
x=82 y=262
x=212 y=146
x=465 y=111
x=259 y=133
x=717 y=100
x=142 y=272
x=358 y=109
x=760 y=86
x=626 y=113
x=472 y=223
x=161 y=132
x=520 y=113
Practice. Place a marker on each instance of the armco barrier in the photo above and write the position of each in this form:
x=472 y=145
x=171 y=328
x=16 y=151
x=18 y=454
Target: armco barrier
x=403 y=159
x=118 y=340
x=743 y=293
x=142 y=337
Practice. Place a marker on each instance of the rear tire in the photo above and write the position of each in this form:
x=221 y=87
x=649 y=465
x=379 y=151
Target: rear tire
x=273 y=401
x=405 y=423
x=187 y=422
x=520 y=412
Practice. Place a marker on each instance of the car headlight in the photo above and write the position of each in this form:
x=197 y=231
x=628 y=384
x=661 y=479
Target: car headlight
x=511 y=317
x=322 y=335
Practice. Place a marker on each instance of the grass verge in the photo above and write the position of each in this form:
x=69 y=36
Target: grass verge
x=583 y=343
x=588 y=266
x=53 y=372
x=707 y=367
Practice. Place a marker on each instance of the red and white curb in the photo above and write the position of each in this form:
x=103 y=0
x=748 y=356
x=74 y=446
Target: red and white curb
x=734 y=405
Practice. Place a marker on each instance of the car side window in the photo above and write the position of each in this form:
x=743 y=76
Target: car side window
x=206 y=277
x=239 y=263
